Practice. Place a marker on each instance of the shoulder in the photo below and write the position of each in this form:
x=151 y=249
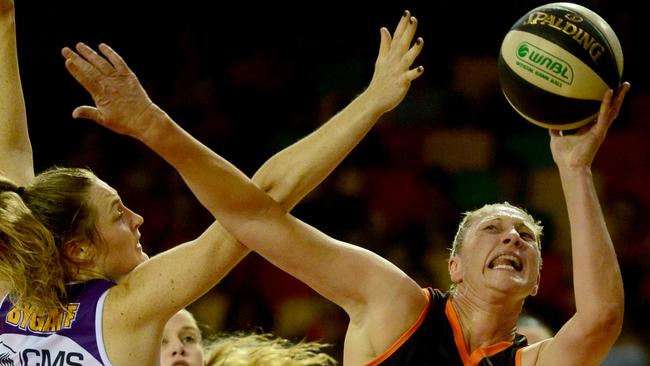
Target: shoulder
x=530 y=354
x=95 y=287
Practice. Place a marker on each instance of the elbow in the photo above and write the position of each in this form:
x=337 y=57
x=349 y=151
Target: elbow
x=608 y=320
x=613 y=317
x=283 y=191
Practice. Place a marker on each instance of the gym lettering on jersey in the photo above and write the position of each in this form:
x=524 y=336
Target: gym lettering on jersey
x=62 y=338
x=436 y=338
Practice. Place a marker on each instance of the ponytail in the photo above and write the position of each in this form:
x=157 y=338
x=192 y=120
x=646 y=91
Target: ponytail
x=29 y=259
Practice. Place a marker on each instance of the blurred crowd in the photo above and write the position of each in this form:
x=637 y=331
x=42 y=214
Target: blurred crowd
x=250 y=79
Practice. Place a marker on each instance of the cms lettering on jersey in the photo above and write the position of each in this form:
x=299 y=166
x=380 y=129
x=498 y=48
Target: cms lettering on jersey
x=586 y=40
x=54 y=321
x=43 y=357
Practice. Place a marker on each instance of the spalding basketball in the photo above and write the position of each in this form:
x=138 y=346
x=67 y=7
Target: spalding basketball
x=556 y=63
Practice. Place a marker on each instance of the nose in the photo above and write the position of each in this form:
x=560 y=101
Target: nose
x=512 y=237
x=177 y=348
x=136 y=220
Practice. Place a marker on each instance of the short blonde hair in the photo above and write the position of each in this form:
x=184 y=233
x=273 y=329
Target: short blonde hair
x=470 y=217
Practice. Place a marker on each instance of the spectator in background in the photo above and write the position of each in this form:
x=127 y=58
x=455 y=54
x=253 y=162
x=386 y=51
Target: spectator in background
x=182 y=343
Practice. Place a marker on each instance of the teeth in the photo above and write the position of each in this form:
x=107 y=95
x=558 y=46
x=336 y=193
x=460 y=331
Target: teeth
x=506 y=261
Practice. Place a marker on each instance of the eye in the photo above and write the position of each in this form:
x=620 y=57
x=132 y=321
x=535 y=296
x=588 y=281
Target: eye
x=119 y=213
x=490 y=227
x=188 y=339
x=527 y=236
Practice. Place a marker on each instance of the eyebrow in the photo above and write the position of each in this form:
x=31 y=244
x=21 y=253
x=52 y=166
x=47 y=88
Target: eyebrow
x=193 y=329
x=114 y=202
x=519 y=224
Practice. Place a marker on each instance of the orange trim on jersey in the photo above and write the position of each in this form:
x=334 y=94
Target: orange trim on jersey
x=475 y=357
x=406 y=335
x=518 y=356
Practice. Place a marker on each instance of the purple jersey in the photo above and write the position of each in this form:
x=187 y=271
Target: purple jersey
x=62 y=338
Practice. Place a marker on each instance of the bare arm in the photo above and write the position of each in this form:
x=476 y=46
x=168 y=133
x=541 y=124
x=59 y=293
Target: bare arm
x=16 y=161
x=323 y=263
x=587 y=337
x=325 y=148
x=287 y=177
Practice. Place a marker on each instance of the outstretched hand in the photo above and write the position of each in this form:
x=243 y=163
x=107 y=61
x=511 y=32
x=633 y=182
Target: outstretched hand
x=393 y=74
x=120 y=100
x=579 y=149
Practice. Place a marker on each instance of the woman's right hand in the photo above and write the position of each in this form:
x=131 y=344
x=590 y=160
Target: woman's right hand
x=120 y=100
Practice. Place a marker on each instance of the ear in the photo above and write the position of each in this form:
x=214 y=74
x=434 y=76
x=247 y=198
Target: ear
x=533 y=292
x=78 y=251
x=455 y=269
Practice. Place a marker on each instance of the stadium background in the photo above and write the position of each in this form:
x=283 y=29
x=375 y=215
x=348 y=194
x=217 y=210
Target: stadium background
x=249 y=78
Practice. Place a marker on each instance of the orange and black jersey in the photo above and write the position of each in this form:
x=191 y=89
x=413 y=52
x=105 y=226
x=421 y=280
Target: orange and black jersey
x=437 y=339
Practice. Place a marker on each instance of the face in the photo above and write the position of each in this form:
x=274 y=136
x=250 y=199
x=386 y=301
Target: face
x=500 y=252
x=118 y=228
x=181 y=342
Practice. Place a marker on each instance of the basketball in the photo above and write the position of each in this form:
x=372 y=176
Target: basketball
x=555 y=64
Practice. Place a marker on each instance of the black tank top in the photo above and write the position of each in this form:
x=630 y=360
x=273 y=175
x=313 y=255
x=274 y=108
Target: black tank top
x=432 y=341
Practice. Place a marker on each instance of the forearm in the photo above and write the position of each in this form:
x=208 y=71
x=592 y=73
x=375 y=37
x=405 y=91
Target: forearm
x=217 y=184
x=15 y=148
x=292 y=173
x=597 y=278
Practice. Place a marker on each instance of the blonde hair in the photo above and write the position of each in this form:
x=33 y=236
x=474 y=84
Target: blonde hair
x=470 y=217
x=35 y=222
x=29 y=259
x=264 y=349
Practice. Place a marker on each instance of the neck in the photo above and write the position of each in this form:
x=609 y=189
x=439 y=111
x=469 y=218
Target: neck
x=485 y=322
x=87 y=274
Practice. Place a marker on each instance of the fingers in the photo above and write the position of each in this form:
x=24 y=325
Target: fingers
x=610 y=106
x=99 y=62
x=384 y=45
x=82 y=71
x=86 y=112
x=399 y=44
x=605 y=103
x=409 y=32
x=116 y=60
x=619 y=96
x=414 y=51
x=406 y=31
x=415 y=73
x=402 y=25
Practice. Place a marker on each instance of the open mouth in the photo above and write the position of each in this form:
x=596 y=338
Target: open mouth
x=507 y=262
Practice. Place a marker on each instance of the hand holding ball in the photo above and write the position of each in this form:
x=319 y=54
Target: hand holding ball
x=555 y=64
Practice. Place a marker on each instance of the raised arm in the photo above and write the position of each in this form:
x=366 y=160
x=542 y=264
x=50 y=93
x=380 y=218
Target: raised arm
x=598 y=288
x=326 y=147
x=16 y=161
x=124 y=107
